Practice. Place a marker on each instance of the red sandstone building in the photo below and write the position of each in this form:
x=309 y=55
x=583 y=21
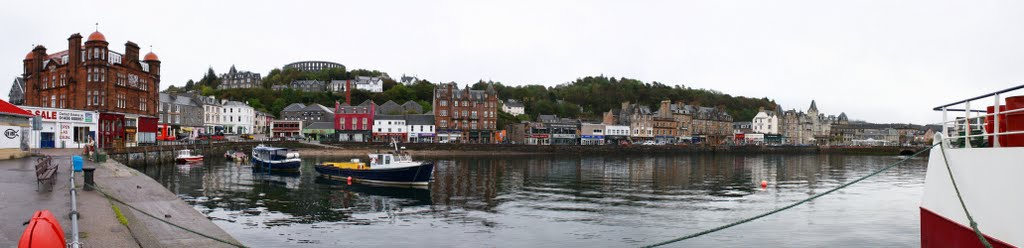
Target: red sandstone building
x=465 y=115
x=123 y=89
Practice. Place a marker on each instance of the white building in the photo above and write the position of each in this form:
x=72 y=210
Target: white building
x=371 y=84
x=765 y=122
x=337 y=86
x=616 y=130
x=63 y=128
x=237 y=117
x=420 y=128
x=513 y=107
x=212 y=110
x=386 y=127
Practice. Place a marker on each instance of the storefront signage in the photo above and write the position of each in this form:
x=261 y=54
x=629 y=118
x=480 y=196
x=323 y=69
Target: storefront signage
x=563 y=136
x=593 y=136
x=63 y=116
x=540 y=136
x=65 y=131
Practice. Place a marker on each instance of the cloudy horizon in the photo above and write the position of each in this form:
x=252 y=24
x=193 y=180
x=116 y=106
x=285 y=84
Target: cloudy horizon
x=879 y=61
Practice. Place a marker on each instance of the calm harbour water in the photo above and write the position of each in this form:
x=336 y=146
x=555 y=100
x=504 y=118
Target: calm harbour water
x=560 y=201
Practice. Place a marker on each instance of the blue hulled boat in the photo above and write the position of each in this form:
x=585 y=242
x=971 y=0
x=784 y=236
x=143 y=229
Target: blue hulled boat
x=275 y=158
x=392 y=168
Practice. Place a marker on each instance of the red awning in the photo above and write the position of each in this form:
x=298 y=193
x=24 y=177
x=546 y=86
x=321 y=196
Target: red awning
x=11 y=109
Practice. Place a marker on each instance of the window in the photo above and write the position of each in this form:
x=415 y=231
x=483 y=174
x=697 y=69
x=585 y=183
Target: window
x=63 y=98
x=81 y=134
x=142 y=104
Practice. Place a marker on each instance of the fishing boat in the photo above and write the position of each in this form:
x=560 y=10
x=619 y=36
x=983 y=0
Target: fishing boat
x=275 y=158
x=186 y=157
x=391 y=168
x=969 y=174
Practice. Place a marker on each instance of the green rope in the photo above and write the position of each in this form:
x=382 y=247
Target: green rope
x=974 y=225
x=97 y=188
x=694 y=235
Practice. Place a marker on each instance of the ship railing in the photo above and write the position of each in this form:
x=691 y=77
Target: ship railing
x=974 y=119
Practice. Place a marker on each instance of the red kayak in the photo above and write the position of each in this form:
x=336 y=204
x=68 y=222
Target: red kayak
x=43 y=231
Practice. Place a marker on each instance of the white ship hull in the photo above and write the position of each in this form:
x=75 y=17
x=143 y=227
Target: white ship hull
x=986 y=178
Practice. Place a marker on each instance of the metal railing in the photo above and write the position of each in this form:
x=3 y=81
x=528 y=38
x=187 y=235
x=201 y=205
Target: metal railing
x=970 y=123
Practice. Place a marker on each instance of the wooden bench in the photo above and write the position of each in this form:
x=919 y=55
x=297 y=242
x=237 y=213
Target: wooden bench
x=45 y=171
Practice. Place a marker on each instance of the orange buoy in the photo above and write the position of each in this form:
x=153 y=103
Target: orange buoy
x=349 y=180
x=42 y=231
x=764 y=184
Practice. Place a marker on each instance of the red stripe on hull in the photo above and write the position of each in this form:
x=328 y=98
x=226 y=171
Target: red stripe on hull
x=938 y=231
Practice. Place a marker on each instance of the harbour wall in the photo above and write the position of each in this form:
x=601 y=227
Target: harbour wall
x=501 y=149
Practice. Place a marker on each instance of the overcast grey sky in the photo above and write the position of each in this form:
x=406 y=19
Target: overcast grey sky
x=880 y=61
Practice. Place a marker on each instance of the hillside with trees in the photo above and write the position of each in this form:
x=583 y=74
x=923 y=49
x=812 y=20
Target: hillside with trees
x=584 y=98
x=589 y=97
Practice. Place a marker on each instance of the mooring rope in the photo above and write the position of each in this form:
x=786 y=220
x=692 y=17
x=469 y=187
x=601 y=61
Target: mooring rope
x=702 y=233
x=97 y=188
x=974 y=225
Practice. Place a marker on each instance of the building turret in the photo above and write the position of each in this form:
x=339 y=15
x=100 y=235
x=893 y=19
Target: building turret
x=96 y=49
x=154 y=64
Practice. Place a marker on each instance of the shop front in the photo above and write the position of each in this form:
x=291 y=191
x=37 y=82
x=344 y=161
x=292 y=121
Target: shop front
x=131 y=130
x=538 y=139
x=421 y=138
x=387 y=137
x=111 y=130
x=592 y=140
x=448 y=136
x=62 y=128
x=146 y=131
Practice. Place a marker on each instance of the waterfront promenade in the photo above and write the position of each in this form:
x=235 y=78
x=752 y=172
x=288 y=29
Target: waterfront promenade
x=99 y=226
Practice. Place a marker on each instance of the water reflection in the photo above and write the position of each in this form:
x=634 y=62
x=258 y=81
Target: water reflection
x=540 y=201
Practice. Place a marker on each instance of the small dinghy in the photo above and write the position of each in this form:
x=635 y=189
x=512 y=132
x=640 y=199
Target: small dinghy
x=42 y=231
x=186 y=157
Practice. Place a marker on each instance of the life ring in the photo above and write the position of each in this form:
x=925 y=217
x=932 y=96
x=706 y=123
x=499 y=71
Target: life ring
x=373 y=160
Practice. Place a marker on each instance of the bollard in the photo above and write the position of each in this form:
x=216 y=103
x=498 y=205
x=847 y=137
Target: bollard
x=88 y=177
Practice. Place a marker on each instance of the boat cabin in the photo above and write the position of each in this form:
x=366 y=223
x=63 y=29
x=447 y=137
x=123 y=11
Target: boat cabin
x=273 y=154
x=388 y=158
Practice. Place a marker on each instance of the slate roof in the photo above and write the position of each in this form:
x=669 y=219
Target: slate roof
x=389 y=117
x=294 y=107
x=513 y=104
x=419 y=119
x=547 y=118
x=317 y=107
x=235 y=103
x=412 y=107
x=320 y=125
x=390 y=107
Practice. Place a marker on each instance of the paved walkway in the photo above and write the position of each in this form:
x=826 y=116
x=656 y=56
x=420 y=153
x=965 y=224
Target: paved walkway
x=99 y=227
x=97 y=223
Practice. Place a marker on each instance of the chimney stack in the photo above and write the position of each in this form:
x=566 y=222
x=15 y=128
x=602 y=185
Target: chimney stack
x=131 y=53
